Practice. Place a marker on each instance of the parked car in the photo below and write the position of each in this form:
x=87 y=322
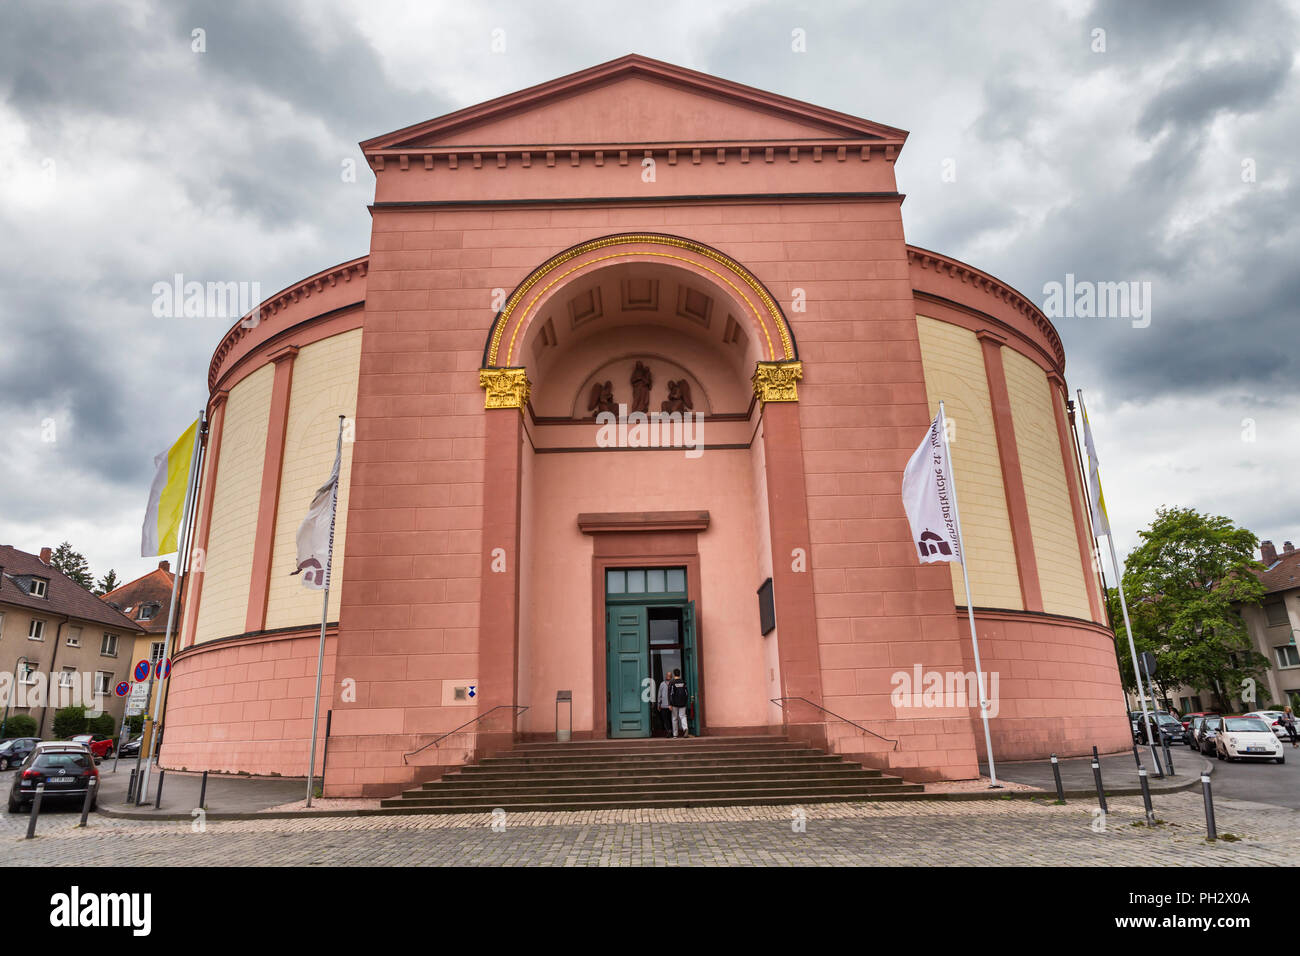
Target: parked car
x=1274 y=720
x=131 y=748
x=99 y=745
x=66 y=772
x=1244 y=738
x=1204 y=729
x=1169 y=727
x=1189 y=719
x=15 y=750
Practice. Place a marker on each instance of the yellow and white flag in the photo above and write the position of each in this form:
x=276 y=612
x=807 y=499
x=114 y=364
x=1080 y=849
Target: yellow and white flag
x=1096 y=501
x=171 y=481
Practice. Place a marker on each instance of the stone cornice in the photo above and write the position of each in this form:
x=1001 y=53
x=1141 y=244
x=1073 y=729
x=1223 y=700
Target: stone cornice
x=991 y=286
x=345 y=272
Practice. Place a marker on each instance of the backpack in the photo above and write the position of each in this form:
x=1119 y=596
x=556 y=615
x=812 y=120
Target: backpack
x=678 y=695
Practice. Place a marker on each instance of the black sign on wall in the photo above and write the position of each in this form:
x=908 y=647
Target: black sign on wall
x=766 y=607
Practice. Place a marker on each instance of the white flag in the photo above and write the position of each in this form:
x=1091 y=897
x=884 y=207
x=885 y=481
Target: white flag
x=316 y=533
x=1096 y=501
x=927 y=498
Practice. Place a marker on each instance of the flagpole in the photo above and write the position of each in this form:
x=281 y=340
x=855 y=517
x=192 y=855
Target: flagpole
x=1123 y=606
x=191 y=492
x=324 y=616
x=970 y=604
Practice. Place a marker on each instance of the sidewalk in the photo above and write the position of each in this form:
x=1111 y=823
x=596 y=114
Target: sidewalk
x=227 y=794
x=1119 y=773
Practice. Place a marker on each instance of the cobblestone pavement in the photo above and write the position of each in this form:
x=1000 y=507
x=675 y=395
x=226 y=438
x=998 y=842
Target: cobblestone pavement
x=1007 y=832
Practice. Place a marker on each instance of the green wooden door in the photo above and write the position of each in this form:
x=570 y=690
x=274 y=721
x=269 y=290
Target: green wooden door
x=690 y=664
x=627 y=655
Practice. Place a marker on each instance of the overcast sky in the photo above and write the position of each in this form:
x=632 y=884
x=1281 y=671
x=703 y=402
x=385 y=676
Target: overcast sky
x=1161 y=150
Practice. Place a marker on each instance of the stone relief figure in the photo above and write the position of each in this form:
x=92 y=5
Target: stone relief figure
x=602 y=398
x=641 y=381
x=679 y=397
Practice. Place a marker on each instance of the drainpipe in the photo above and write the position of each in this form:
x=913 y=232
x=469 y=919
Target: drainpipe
x=40 y=727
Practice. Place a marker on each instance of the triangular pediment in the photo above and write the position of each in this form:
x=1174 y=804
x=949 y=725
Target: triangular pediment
x=635 y=100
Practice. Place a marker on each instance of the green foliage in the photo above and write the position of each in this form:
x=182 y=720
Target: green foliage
x=103 y=724
x=136 y=724
x=108 y=582
x=1184 y=585
x=69 y=721
x=73 y=564
x=19 y=725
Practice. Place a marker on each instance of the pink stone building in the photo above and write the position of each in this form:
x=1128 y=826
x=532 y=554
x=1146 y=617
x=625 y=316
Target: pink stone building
x=638 y=236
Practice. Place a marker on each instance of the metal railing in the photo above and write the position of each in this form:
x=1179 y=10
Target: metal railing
x=518 y=708
x=780 y=702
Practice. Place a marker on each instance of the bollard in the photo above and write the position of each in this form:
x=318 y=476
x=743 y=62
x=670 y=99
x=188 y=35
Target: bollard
x=130 y=787
x=1169 y=760
x=158 y=799
x=85 y=804
x=1096 y=775
x=1146 y=796
x=1056 y=772
x=203 y=792
x=1211 y=832
x=36 y=810
x=1136 y=759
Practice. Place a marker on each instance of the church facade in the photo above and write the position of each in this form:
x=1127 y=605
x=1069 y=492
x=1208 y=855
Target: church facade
x=631 y=372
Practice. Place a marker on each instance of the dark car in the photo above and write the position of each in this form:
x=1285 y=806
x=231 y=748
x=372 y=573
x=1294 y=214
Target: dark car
x=65 y=773
x=99 y=745
x=131 y=748
x=1169 y=727
x=1204 y=730
x=1189 y=719
x=15 y=750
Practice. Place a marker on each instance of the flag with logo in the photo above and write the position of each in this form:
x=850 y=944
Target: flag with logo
x=316 y=533
x=1096 y=501
x=928 y=500
x=166 y=508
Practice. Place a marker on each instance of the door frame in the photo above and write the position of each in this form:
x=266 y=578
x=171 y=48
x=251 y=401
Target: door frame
x=669 y=539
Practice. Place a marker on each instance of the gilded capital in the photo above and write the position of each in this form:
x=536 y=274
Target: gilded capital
x=505 y=387
x=776 y=381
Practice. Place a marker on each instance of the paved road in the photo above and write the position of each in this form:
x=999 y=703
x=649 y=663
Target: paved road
x=1010 y=832
x=1258 y=781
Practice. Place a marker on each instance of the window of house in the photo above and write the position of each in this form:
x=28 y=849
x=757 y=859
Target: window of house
x=147 y=611
x=36 y=630
x=74 y=637
x=108 y=647
x=39 y=587
x=103 y=683
x=67 y=676
x=27 y=672
x=1288 y=655
x=155 y=652
x=1275 y=613
x=1190 y=705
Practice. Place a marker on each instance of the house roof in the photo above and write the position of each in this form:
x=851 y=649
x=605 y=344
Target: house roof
x=1283 y=574
x=63 y=596
x=698 y=89
x=154 y=588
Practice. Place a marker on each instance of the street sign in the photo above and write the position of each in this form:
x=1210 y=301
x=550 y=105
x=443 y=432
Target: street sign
x=135 y=704
x=1148 y=663
x=122 y=689
x=162 y=669
x=142 y=670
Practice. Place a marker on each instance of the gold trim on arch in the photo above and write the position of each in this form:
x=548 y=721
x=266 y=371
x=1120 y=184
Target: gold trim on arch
x=507 y=312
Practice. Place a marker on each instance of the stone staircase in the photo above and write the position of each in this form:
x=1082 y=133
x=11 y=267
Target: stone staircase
x=695 y=772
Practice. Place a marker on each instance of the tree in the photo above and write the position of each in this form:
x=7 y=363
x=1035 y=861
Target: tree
x=69 y=721
x=18 y=725
x=72 y=564
x=1185 y=584
x=108 y=582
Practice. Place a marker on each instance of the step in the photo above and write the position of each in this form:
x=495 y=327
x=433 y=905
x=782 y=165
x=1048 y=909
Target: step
x=780 y=763
x=705 y=776
x=738 y=794
x=625 y=759
x=615 y=743
x=669 y=749
x=911 y=792
x=530 y=788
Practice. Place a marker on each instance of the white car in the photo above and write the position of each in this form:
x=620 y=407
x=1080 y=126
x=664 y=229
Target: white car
x=1274 y=719
x=1243 y=738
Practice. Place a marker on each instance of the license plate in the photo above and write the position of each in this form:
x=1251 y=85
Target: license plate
x=59 y=780
x=1255 y=750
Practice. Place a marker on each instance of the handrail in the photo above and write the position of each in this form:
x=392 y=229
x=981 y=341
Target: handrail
x=433 y=743
x=778 y=702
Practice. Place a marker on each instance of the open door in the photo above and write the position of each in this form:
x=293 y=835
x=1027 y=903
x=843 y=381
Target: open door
x=690 y=664
x=627 y=656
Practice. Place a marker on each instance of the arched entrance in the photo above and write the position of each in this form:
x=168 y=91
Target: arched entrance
x=626 y=381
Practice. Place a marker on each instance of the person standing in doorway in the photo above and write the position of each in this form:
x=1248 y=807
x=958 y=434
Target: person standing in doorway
x=665 y=709
x=679 y=698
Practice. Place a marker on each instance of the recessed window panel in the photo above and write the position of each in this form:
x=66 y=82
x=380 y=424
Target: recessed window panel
x=654 y=580
x=636 y=582
x=615 y=582
x=676 y=580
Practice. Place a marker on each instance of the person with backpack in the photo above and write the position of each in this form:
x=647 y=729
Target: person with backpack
x=679 y=698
